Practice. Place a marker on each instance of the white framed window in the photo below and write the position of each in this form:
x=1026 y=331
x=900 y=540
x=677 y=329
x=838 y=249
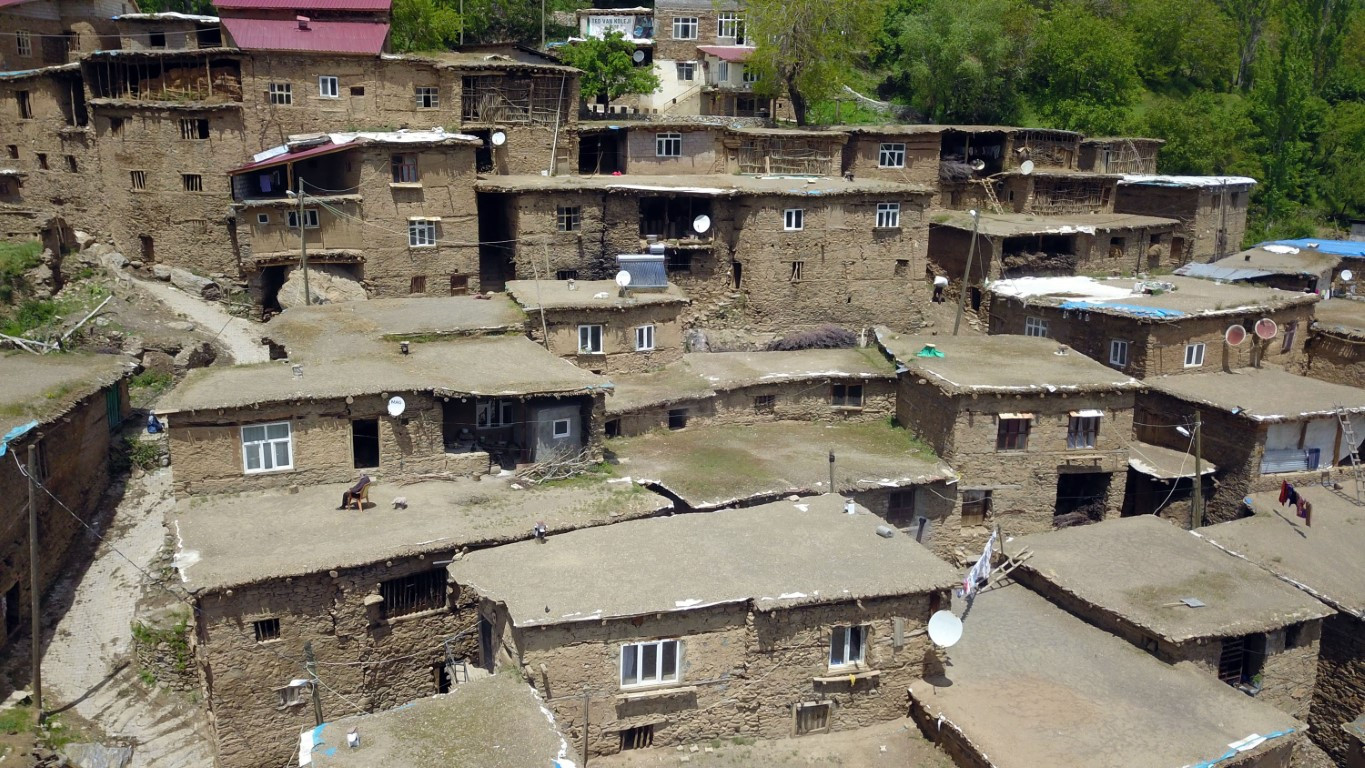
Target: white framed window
x=262 y=218
x=730 y=24
x=427 y=97
x=310 y=218
x=23 y=40
x=687 y=70
x=723 y=72
x=1083 y=430
x=1118 y=353
x=281 y=93
x=846 y=645
x=1035 y=326
x=589 y=339
x=891 y=156
x=649 y=663
x=794 y=219
x=684 y=27
x=668 y=144
x=493 y=413
x=750 y=75
x=1194 y=355
x=560 y=428
x=644 y=338
x=888 y=215
x=267 y=447
x=422 y=233
x=329 y=87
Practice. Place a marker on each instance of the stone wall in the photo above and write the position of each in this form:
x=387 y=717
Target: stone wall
x=1340 y=693
x=1202 y=212
x=862 y=156
x=618 y=336
x=1338 y=359
x=702 y=151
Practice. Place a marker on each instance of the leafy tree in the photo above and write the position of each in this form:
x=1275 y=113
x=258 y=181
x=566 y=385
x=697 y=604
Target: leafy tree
x=200 y=7
x=423 y=25
x=1206 y=134
x=1249 y=19
x=609 y=72
x=960 y=61
x=1183 y=42
x=1341 y=186
x=1083 y=71
x=515 y=21
x=809 y=48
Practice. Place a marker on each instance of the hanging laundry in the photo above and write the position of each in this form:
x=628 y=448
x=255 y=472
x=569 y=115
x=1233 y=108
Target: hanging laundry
x=1284 y=492
x=1293 y=499
x=1308 y=513
x=1298 y=506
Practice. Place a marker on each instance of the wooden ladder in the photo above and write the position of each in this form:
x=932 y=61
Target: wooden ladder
x=1348 y=432
x=990 y=195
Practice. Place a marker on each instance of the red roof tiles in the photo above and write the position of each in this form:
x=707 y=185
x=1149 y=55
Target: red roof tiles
x=319 y=36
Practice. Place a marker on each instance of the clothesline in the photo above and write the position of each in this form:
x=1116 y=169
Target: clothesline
x=1302 y=506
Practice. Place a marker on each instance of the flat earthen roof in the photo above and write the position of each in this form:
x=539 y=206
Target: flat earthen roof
x=1323 y=559
x=730 y=370
x=675 y=383
x=1302 y=261
x=1117 y=297
x=1342 y=317
x=1262 y=394
x=1030 y=685
x=775 y=556
x=586 y=294
x=716 y=185
x=43 y=387
x=224 y=541
x=1002 y=364
x=1022 y=224
x=1139 y=568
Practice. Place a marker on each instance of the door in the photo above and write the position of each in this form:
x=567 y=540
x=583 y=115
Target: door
x=365 y=443
x=1177 y=250
x=485 y=644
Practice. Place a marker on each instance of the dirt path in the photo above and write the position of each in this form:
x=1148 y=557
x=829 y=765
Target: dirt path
x=241 y=338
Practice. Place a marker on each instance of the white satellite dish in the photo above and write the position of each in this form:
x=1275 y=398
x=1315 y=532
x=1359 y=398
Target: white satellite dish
x=623 y=279
x=1347 y=275
x=396 y=406
x=945 y=629
x=701 y=224
x=499 y=138
x=638 y=56
x=977 y=164
x=1026 y=167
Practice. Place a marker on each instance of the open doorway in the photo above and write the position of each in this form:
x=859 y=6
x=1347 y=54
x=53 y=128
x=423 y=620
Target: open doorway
x=148 y=247
x=1081 y=498
x=365 y=443
x=602 y=153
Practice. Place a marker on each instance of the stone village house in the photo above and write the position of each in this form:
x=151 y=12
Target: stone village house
x=1212 y=211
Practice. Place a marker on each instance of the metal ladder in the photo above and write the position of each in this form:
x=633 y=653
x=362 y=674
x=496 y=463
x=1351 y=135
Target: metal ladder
x=1348 y=432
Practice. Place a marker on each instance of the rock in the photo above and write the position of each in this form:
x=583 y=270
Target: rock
x=83 y=240
x=42 y=280
x=696 y=340
x=161 y=272
x=133 y=346
x=158 y=362
x=329 y=284
x=180 y=325
x=113 y=260
x=97 y=756
x=195 y=285
x=135 y=264
x=199 y=355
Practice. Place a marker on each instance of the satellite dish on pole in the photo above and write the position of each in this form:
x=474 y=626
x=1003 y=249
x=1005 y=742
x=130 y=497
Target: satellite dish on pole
x=1026 y=167
x=396 y=406
x=701 y=224
x=498 y=138
x=1235 y=335
x=638 y=56
x=623 y=279
x=945 y=629
x=1266 y=328
x=1347 y=275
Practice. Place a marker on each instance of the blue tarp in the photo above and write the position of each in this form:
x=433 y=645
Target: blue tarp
x=15 y=434
x=1127 y=309
x=1348 y=248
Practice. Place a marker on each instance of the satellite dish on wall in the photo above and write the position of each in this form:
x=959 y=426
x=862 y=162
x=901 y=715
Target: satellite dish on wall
x=1266 y=328
x=1235 y=335
x=945 y=629
x=1026 y=167
x=499 y=138
x=978 y=164
x=1347 y=275
x=623 y=279
x=396 y=406
x=638 y=56
x=701 y=224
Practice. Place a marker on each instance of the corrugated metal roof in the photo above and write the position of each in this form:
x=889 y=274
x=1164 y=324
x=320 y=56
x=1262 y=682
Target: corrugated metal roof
x=320 y=36
x=289 y=157
x=1225 y=274
x=727 y=52
x=646 y=270
x=1335 y=247
x=307 y=5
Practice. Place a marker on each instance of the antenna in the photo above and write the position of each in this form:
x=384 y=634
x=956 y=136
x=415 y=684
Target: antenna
x=1347 y=275
x=701 y=224
x=945 y=629
x=638 y=56
x=396 y=406
x=1235 y=335
x=1266 y=328
x=498 y=138
x=1026 y=167
x=623 y=279
x=978 y=164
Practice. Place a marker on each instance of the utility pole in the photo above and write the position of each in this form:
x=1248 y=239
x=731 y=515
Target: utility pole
x=542 y=45
x=1197 y=503
x=831 y=472
x=585 y=728
x=310 y=663
x=967 y=275
x=34 y=591
x=303 y=249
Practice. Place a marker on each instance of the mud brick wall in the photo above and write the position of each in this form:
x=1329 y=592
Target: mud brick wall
x=701 y=152
x=541 y=251
x=1202 y=213
x=862 y=155
x=376 y=662
x=618 y=336
x=936 y=502
x=1337 y=359
x=1339 y=696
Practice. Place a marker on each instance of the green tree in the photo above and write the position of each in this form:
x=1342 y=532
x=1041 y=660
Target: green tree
x=1083 y=71
x=1183 y=42
x=609 y=72
x=423 y=25
x=809 y=48
x=201 y=7
x=1207 y=134
x=1341 y=184
x=1249 y=19
x=960 y=61
x=516 y=21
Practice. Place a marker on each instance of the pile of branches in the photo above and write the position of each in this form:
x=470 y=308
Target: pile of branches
x=824 y=337
x=559 y=467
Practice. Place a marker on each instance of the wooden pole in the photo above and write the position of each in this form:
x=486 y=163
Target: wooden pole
x=584 y=754
x=303 y=249
x=34 y=591
x=967 y=275
x=1197 y=507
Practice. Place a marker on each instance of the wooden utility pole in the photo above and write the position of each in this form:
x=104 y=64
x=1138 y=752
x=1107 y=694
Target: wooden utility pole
x=1197 y=503
x=303 y=249
x=34 y=591
x=310 y=663
x=585 y=729
x=831 y=471
x=967 y=275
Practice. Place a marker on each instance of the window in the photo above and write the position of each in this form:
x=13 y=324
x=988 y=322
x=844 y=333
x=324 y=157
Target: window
x=639 y=737
x=668 y=144
x=267 y=447
x=847 y=395
x=13 y=151
x=422 y=233
x=1035 y=326
x=23 y=40
x=678 y=261
x=797 y=268
x=644 y=338
x=418 y=284
x=156 y=39
x=764 y=403
x=566 y=274
x=262 y=218
x=423 y=591
x=560 y=428
x=194 y=128
x=730 y=24
x=589 y=339
x=494 y=413
x=976 y=507
x=677 y=418
x=71 y=164
x=687 y=70
x=684 y=27
x=293 y=695
x=794 y=219
x=25 y=106
x=1011 y=433
x=405 y=169
x=1290 y=330
x=750 y=75
x=42 y=160
x=901 y=502
x=1194 y=355
x=568 y=218
x=357 y=90
x=723 y=72
x=888 y=215
x=266 y=630
x=116 y=125
x=459 y=285
x=1083 y=431
x=846 y=645
x=812 y=718
x=427 y=97
x=649 y=663
x=192 y=182
x=1118 y=353
x=891 y=156
x=310 y=218
x=281 y=93
x=329 y=87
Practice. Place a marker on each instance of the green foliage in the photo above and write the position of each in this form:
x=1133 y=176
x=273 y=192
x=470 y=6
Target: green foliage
x=31 y=314
x=608 y=70
x=519 y=21
x=1341 y=152
x=200 y=7
x=1083 y=71
x=152 y=382
x=15 y=260
x=1182 y=43
x=424 y=25
x=145 y=455
x=16 y=720
x=1205 y=133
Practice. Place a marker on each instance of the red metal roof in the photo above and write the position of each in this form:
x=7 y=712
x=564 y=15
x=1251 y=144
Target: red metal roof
x=303 y=6
x=7 y=3
x=727 y=52
x=289 y=157
x=320 y=36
